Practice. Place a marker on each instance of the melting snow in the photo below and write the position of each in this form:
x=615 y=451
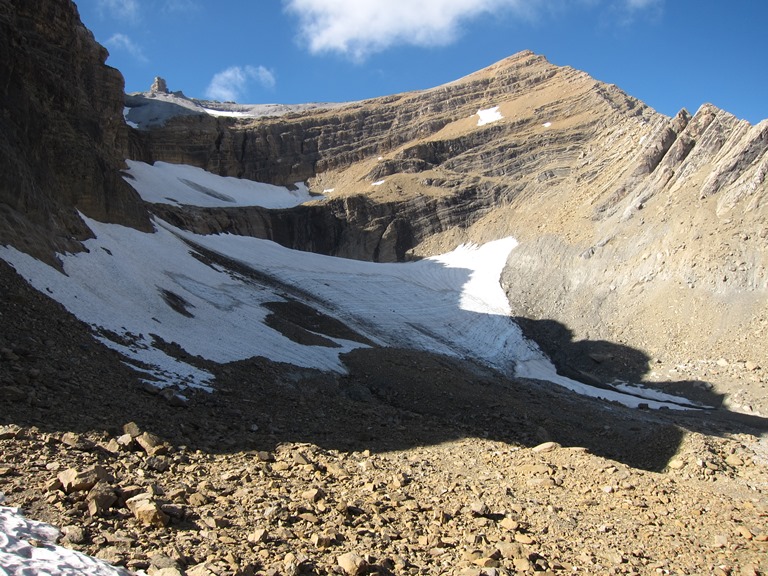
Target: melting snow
x=18 y=557
x=488 y=115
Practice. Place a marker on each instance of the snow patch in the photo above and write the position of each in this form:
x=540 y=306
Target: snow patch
x=126 y=111
x=488 y=116
x=18 y=557
x=378 y=183
x=228 y=113
x=179 y=184
x=547 y=124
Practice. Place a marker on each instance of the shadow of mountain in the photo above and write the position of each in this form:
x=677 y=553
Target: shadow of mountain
x=54 y=375
x=601 y=363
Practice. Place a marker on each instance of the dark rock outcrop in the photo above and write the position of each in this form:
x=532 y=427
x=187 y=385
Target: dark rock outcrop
x=62 y=136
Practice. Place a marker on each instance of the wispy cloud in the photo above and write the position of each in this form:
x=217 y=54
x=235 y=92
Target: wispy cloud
x=181 y=6
x=642 y=4
x=230 y=84
x=123 y=43
x=129 y=10
x=357 y=29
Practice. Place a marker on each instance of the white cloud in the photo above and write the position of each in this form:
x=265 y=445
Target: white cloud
x=121 y=9
x=123 y=43
x=359 y=28
x=230 y=84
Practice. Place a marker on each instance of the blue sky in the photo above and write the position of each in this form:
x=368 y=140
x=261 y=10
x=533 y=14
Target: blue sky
x=669 y=53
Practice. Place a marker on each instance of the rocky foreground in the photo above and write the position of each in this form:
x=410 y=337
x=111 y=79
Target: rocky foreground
x=410 y=464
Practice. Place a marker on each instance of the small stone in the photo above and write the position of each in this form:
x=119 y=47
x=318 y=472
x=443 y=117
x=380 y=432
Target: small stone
x=479 y=508
x=132 y=429
x=722 y=362
x=512 y=549
x=100 y=499
x=313 y=495
x=733 y=460
x=751 y=366
x=76 y=441
x=321 y=541
x=745 y=532
x=352 y=564
x=74 y=534
x=676 y=463
x=258 y=535
x=197 y=499
x=487 y=562
x=300 y=459
x=523 y=538
x=169 y=571
x=509 y=524
x=545 y=447
x=160 y=561
x=125 y=440
x=720 y=541
x=6 y=471
x=147 y=511
x=542 y=481
x=151 y=444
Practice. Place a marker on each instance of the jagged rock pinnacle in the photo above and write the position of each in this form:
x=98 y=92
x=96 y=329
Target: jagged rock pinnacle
x=159 y=86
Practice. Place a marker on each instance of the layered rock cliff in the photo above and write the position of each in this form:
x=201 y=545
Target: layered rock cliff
x=62 y=135
x=643 y=235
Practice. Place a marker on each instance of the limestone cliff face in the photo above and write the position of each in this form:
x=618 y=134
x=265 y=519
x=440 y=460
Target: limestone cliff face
x=63 y=139
x=440 y=170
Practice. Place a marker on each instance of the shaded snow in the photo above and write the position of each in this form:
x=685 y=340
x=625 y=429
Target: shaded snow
x=18 y=557
x=488 y=116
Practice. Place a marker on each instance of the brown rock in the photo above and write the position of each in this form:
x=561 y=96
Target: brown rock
x=73 y=480
x=147 y=511
x=352 y=564
x=100 y=499
x=151 y=444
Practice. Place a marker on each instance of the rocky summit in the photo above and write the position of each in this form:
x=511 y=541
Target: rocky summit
x=641 y=258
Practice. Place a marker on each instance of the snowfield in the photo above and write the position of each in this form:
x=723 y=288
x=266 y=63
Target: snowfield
x=28 y=548
x=178 y=184
x=136 y=289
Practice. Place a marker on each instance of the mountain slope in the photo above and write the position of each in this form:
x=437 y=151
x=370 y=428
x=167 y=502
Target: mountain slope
x=637 y=232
